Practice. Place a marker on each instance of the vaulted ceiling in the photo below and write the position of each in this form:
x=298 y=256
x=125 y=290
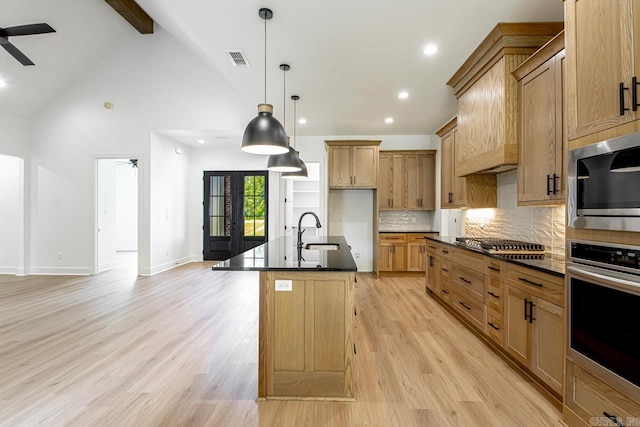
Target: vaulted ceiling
x=349 y=59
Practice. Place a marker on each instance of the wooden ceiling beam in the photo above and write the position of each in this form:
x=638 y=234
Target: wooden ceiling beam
x=133 y=13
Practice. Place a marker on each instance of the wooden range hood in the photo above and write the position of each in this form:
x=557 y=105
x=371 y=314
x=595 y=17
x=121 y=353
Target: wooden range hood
x=487 y=96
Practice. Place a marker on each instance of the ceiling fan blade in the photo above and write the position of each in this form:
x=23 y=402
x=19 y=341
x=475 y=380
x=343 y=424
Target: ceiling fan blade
x=27 y=30
x=15 y=52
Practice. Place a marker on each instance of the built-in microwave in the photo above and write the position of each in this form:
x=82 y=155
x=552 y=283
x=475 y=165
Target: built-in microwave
x=603 y=290
x=604 y=185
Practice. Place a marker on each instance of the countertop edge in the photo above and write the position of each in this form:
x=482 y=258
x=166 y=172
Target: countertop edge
x=509 y=260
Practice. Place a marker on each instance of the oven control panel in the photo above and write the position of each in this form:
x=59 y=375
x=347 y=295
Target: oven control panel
x=617 y=257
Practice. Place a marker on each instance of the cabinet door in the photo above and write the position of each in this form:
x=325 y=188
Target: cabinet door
x=385 y=256
x=399 y=256
x=459 y=187
x=427 y=181
x=385 y=182
x=433 y=274
x=446 y=172
x=397 y=189
x=412 y=172
x=340 y=166
x=518 y=340
x=364 y=166
x=415 y=256
x=538 y=134
x=548 y=343
x=600 y=56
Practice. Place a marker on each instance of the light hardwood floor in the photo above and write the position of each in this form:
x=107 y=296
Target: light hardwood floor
x=180 y=348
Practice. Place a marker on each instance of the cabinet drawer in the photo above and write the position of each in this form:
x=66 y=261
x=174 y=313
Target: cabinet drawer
x=470 y=308
x=445 y=271
x=393 y=237
x=543 y=285
x=445 y=292
x=495 y=269
x=445 y=251
x=433 y=248
x=589 y=397
x=469 y=259
x=494 y=327
x=416 y=238
x=469 y=280
x=494 y=295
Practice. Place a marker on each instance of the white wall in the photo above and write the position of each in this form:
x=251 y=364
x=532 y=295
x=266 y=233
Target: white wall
x=126 y=207
x=11 y=213
x=154 y=83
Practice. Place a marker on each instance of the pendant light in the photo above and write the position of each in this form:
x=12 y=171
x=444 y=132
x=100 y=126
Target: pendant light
x=264 y=134
x=302 y=173
x=289 y=161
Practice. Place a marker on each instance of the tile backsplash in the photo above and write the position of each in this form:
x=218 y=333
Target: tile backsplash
x=544 y=225
x=405 y=221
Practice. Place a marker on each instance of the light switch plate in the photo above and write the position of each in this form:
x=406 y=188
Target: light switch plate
x=284 y=285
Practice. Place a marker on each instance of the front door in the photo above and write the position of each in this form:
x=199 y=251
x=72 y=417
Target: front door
x=235 y=212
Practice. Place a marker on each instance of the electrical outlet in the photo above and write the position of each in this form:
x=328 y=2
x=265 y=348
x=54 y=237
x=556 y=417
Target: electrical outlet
x=284 y=285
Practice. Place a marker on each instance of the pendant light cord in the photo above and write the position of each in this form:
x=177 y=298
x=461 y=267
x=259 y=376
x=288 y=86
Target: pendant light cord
x=295 y=118
x=265 y=61
x=284 y=97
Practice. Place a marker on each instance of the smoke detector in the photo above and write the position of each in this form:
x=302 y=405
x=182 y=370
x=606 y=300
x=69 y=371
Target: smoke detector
x=237 y=58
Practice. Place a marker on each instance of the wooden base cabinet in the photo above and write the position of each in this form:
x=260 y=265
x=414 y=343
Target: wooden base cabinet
x=306 y=335
x=392 y=252
x=589 y=401
x=535 y=335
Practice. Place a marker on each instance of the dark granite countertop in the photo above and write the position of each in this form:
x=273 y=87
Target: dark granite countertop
x=271 y=256
x=552 y=263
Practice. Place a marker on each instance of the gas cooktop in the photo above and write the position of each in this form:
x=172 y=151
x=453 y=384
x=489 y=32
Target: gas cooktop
x=503 y=247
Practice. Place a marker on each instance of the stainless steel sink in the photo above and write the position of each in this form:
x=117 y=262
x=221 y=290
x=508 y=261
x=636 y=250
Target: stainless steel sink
x=322 y=246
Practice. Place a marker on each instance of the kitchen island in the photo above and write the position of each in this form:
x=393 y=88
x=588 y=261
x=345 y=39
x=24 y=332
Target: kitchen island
x=305 y=317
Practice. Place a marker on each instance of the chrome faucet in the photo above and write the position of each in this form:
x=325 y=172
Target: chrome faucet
x=300 y=230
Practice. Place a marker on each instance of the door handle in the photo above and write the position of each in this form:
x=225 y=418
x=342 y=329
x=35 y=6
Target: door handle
x=548 y=184
x=634 y=93
x=354 y=179
x=555 y=184
x=622 y=107
x=430 y=261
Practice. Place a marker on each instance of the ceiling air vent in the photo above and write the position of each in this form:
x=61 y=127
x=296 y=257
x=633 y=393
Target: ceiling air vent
x=237 y=58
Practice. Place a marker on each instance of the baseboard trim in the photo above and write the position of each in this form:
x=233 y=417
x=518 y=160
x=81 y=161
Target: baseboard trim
x=9 y=270
x=167 y=266
x=59 y=271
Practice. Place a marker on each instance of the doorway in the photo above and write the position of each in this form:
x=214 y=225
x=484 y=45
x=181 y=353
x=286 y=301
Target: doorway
x=117 y=215
x=235 y=212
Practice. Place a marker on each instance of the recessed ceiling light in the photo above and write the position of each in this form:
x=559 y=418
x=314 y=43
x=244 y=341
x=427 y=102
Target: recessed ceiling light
x=201 y=141
x=388 y=120
x=3 y=83
x=403 y=95
x=430 y=49
x=302 y=121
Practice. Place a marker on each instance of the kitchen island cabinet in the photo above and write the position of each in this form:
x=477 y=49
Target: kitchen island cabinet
x=306 y=310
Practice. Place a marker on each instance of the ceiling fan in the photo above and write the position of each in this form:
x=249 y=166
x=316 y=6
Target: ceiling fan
x=21 y=30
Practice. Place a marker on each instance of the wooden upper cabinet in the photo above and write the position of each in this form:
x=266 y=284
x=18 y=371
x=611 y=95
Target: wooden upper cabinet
x=476 y=191
x=541 y=133
x=487 y=96
x=353 y=164
x=407 y=180
x=602 y=54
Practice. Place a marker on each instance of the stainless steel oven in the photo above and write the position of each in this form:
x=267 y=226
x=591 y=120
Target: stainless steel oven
x=603 y=312
x=604 y=185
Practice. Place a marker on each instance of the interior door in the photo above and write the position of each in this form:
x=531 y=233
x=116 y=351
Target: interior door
x=235 y=212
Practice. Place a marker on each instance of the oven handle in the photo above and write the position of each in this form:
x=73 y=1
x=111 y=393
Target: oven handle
x=595 y=274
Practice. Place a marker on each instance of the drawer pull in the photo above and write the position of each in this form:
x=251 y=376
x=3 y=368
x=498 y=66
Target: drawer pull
x=432 y=247
x=445 y=291
x=493 y=326
x=445 y=270
x=493 y=268
x=614 y=419
x=464 y=280
x=494 y=295
x=540 y=285
x=444 y=251
x=464 y=305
